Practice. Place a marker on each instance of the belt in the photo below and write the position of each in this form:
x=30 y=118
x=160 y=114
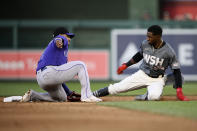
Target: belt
x=42 y=69
x=155 y=76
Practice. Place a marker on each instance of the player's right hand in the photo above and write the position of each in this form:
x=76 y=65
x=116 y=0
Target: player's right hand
x=121 y=68
x=59 y=43
x=180 y=95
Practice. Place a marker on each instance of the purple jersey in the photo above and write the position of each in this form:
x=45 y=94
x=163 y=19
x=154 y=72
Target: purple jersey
x=53 y=55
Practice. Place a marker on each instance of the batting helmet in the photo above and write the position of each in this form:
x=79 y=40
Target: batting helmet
x=62 y=30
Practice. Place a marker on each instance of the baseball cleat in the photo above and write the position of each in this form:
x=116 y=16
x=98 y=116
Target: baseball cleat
x=26 y=97
x=101 y=92
x=141 y=97
x=92 y=99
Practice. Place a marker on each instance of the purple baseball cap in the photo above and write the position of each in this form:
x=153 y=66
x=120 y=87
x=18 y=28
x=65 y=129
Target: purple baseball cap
x=62 y=30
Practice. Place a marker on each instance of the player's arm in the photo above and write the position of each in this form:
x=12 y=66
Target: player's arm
x=178 y=85
x=59 y=42
x=175 y=66
x=135 y=59
x=177 y=78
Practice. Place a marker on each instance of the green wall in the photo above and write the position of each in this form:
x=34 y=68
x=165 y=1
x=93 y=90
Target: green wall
x=94 y=18
x=64 y=9
x=137 y=9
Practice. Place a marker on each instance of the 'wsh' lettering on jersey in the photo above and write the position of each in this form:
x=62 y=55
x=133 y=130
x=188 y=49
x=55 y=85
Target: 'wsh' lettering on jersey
x=153 y=60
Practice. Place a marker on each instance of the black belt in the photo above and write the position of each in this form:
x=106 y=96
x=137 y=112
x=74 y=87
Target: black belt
x=42 y=69
x=155 y=76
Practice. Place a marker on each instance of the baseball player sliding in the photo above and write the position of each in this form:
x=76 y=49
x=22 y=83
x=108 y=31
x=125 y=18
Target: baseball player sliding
x=157 y=56
x=53 y=71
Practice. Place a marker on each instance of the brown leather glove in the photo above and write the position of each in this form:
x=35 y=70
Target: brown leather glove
x=74 y=97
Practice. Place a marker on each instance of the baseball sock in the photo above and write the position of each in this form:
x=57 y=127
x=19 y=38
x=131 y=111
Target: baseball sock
x=101 y=92
x=66 y=89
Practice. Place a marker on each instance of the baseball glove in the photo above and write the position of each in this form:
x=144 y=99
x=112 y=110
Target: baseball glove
x=74 y=97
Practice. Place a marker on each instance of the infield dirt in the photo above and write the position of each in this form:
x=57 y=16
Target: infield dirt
x=78 y=116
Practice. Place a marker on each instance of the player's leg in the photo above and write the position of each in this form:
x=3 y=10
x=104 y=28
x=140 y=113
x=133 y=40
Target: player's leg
x=37 y=96
x=168 y=79
x=142 y=97
x=32 y=95
x=133 y=82
x=68 y=71
x=155 y=90
x=54 y=93
x=136 y=81
x=66 y=89
x=101 y=92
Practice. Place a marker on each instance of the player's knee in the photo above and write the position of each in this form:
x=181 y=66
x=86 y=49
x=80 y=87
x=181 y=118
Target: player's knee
x=60 y=98
x=112 y=90
x=81 y=63
x=153 y=97
x=63 y=99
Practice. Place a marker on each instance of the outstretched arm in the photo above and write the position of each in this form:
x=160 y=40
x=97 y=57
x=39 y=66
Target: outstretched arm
x=178 y=83
x=58 y=42
x=135 y=59
x=71 y=95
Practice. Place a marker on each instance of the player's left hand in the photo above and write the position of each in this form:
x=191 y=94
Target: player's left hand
x=121 y=68
x=180 y=95
x=74 y=97
x=59 y=43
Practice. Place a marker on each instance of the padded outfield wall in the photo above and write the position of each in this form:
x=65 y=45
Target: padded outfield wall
x=126 y=42
x=21 y=64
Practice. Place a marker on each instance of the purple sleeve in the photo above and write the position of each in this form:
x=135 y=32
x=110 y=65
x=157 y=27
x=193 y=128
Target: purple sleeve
x=64 y=40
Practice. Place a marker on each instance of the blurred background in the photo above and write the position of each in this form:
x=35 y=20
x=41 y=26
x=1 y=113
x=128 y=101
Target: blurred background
x=26 y=28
